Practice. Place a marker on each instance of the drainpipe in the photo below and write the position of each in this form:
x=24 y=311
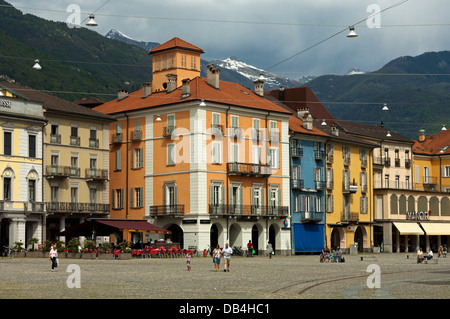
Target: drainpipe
x=127 y=201
x=267 y=181
x=43 y=217
x=226 y=192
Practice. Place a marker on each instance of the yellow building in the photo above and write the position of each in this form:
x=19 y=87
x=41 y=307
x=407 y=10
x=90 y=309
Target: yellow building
x=349 y=185
x=75 y=162
x=22 y=212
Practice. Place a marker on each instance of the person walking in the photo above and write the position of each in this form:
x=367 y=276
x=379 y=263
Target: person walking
x=249 y=249
x=226 y=252
x=269 y=249
x=53 y=255
x=188 y=261
x=217 y=253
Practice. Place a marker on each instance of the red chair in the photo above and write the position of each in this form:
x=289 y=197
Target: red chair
x=163 y=251
x=154 y=252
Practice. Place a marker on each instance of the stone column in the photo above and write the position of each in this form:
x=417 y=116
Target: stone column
x=387 y=237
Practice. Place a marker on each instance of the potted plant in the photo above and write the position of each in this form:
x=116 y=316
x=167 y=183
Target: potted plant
x=125 y=250
x=18 y=250
x=72 y=249
x=89 y=251
x=33 y=252
x=105 y=251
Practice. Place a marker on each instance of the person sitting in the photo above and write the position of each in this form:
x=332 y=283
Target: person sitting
x=327 y=255
x=420 y=256
x=444 y=252
x=338 y=254
x=323 y=253
x=430 y=256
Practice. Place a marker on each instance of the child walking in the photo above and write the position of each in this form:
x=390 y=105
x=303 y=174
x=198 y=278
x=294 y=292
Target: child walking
x=188 y=261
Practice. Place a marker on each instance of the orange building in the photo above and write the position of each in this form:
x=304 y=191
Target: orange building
x=204 y=158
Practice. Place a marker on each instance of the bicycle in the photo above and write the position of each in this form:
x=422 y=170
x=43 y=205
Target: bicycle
x=6 y=252
x=237 y=251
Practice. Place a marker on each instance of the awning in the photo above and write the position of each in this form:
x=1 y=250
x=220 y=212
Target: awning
x=105 y=227
x=408 y=228
x=434 y=229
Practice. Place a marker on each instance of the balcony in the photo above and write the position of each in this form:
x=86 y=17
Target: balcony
x=235 y=132
x=348 y=217
x=217 y=130
x=257 y=135
x=248 y=210
x=77 y=208
x=397 y=162
x=311 y=217
x=55 y=138
x=320 y=185
x=387 y=162
x=246 y=169
x=75 y=140
x=319 y=155
x=296 y=151
x=274 y=136
x=297 y=183
x=55 y=171
x=167 y=211
x=117 y=138
x=93 y=142
x=96 y=174
x=168 y=131
x=136 y=135
x=407 y=163
x=34 y=207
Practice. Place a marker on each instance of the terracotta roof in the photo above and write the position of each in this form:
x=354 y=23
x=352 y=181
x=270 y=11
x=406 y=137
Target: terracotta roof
x=371 y=131
x=175 y=43
x=433 y=144
x=52 y=103
x=228 y=93
x=301 y=97
x=296 y=125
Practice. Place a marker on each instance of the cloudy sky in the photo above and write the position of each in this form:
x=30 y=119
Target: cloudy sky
x=281 y=36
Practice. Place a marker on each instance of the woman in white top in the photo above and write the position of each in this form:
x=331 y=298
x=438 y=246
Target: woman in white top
x=216 y=257
x=52 y=256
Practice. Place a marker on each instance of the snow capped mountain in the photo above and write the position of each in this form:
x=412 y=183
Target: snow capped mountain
x=117 y=35
x=353 y=71
x=271 y=81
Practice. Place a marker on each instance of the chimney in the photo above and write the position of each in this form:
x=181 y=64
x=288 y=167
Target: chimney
x=334 y=130
x=146 y=89
x=212 y=75
x=308 y=121
x=171 y=82
x=259 y=86
x=301 y=111
x=122 y=94
x=421 y=135
x=185 y=88
x=281 y=94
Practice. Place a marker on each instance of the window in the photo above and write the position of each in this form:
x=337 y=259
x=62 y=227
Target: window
x=54 y=193
x=137 y=158
x=31 y=190
x=273 y=158
x=117 y=198
x=7 y=143
x=54 y=134
x=234 y=153
x=74 y=171
x=407 y=186
x=397 y=181
x=330 y=153
x=170 y=194
x=216 y=154
x=193 y=62
x=74 y=194
x=171 y=154
x=330 y=203
x=426 y=175
x=346 y=155
x=183 y=61
x=364 y=203
x=136 y=197
x=256 y=129
x=54 y=162
x=7 y=189
x=446 y=171
x=386 y=181
x=32 y=146
x=118 y=161
x=256 y=154
x=93 y=141
x=74 y=138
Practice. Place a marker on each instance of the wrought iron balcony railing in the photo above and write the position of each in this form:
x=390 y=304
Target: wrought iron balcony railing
x=167 y=210
x=248 y=210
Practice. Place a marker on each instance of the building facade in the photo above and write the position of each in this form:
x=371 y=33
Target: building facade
x=72 y=146
x=212 y=163
x=22 y=212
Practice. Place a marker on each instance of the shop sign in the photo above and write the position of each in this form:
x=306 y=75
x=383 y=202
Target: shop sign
x=417 y=215
x=5 y=103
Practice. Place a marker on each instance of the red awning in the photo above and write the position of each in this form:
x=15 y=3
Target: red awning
x=105 y=227
x=141 y=226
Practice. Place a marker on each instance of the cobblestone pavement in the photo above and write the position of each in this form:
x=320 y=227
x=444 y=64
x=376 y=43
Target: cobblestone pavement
x=282 y=277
